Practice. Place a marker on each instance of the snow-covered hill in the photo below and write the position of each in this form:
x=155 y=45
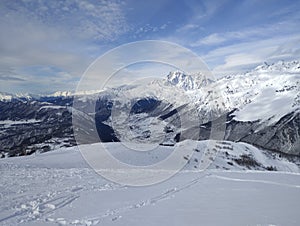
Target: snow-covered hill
x=59 y=188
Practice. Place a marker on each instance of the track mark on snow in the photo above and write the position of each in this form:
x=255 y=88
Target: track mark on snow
x=115 y=214
x=254 y=181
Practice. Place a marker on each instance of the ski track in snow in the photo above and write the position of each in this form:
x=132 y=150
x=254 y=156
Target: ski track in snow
x=49 y=188
x=170 y=193
x=41 y=206
x=255 y=181
x=48 y=197
x=115 y=214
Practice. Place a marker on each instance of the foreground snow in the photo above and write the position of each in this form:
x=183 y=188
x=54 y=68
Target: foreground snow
x=58 y=188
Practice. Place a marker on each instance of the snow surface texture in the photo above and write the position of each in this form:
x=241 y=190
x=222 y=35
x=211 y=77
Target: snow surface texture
x=58 y=188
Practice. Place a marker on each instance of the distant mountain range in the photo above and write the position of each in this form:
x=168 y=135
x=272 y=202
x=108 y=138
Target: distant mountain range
x=260 y=107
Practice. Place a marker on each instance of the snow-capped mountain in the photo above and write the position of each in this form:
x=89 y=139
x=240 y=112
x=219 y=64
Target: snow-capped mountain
x=21 y=96
x=280 y=66
x=187 y=82
x=268 y=91
x=73 y=93
x=261 y=107
x=4 y=96
x=263 y=104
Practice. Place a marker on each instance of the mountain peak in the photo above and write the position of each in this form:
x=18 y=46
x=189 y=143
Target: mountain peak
x=9 y=96
x=187 y=81
x=280 y=66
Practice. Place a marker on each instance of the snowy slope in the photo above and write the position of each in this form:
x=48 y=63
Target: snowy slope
x=58 y=188
x=274 y=93
x=267 y=92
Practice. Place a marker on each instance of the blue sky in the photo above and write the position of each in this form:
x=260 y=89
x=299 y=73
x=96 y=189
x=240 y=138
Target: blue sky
x=46 y=46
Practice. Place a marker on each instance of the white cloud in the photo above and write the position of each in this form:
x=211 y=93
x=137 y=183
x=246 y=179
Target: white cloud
x=101 y=20
x=187 y=27
x=210 y=40
x=236 y=62
x=240 y=57
x=59 y=34
x=200 y=13
x=32 y=44
x=156 y=52
x=147 y=29
x=249 y=33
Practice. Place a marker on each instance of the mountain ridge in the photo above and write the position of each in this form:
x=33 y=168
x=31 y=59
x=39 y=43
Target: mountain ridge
x=254 y=103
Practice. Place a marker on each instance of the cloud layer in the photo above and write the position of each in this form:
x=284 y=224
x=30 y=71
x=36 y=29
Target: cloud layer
x=58 y=34
x=53 y=42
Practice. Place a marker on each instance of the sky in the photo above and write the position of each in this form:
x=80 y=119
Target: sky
x=46 y=46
